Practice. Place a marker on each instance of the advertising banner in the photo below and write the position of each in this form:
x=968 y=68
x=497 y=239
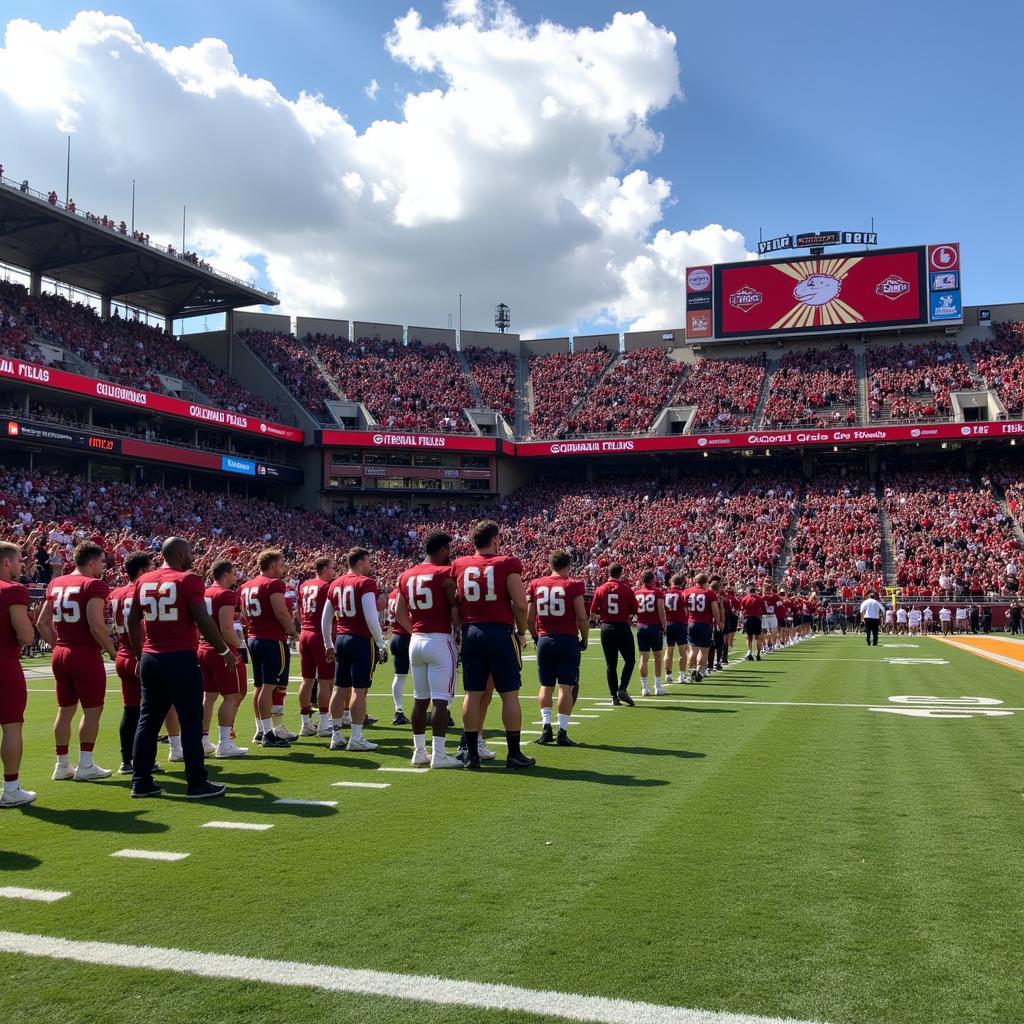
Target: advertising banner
x=392 y=439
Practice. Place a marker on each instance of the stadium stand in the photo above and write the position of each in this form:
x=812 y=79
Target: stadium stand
x=1000 y=361
x=813 y=388
x=291 y=363
x=913 y=382
x=494 y=373
x=725 y=392
x=558 y=382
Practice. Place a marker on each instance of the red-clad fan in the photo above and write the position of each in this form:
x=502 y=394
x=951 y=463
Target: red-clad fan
x=218 y=680
x=126 y=663
x=167 y=614
x=400 y=656
x=704 y=615
x=315 y=668
x=73 y=622
x=650 y=631
x=771 y=619
x=558 y=621
x=675 y=626
x=357 y=648
x=427 y=608
x=752 y=611
x=614 y=604
x=15 y=633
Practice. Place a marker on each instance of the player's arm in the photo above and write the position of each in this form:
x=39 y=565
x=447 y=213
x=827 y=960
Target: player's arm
x=44 y=623
x=326 y=621
x=517 y=595
x=579 y=606
x=402 y=613
x=21 y=624
x=660 y=605
x=718 y=614
x=531 y=619
x=208 y=629
x=226 y=625
x=133 y=627
x=595 y=611
x=95 y=616
x=369 y=605
x=452 y=593
x=279 y=606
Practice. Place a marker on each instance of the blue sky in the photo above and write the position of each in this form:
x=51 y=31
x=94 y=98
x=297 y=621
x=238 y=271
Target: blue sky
x=796 y=116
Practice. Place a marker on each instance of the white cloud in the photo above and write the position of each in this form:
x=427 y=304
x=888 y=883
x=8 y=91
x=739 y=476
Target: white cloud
x=512 y=175
x=372 y=89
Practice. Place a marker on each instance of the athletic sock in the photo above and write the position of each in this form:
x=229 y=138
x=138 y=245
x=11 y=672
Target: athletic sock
x=174 y=742
x=357 y=731
x=657 y=682
x=63 y=757
x=325 y=719
x=85 y=757
x=266 y=725
x=304 y=717
x=397 y=688
x=419 y=742
x=545 y=715
x=224 y=733
x=437 y=745
x=11 y=783
x=512 y=739
x=470 y=741
x=563 y=722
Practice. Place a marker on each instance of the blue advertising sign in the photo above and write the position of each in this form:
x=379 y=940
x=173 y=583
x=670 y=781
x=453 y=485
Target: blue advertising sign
x=945 y=280
x=945 y=306
x=230 y=464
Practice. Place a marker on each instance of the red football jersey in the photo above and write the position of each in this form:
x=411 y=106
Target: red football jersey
x=752 y=606
x=396 y=627
x=770 y=601
x=218 y=597
x=68 y=597
x=312 y=598
x=482 y=582
x=730 y=602
x=554 y=596
x=698 y=602
x=120 y=606
x=426 y=596
x=164 y=595
x=346 y=594
x=675 y=606
x=614 y=601
x=254 y=598
x=781 y=608
x=11 y=593
x=647 y=599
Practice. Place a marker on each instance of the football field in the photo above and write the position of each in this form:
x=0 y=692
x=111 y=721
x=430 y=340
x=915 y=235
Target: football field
x=795 y=839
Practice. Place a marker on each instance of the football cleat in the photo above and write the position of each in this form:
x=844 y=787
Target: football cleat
x=758 y=655
x=644 y=692
x=346 y=718
x=323 y=729
x=546 y=736
x=616 y=702
x=660 y=691
x=16 y=797
x=420 y=759
x=484 y=753
x=91 y=773
x=399 y=719
x=471 y=764
x=229 y=749
x=444 y=761
x=143 y=791
x=749 y=657
x=563 y=739
x=62 y=772
x=308 y=729
x=258 y=736
x=517 y=761
x=126 y=768
x=697 y=677
x=176 y=756
x=207 y=791
x=208 y=748
x=284 y=734
x=272 y=740
x=360 y=744
x=338 y=741
x=626 y=699
x=368 y=721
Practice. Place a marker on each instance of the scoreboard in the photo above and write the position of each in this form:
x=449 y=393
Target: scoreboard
x=913 y=286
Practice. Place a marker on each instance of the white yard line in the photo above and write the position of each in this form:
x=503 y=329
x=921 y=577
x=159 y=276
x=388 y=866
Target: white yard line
x=362 y=785
x=16 y=892
x=308 y=803
x=149 y=855
x=381 y=984
x=242 y=826
x=406 y=771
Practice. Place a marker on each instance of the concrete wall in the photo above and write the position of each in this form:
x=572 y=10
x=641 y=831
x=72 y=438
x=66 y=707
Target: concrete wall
x=386 y=332
x=262 y=322
x=546 y=346
x=588 y=342
x=656 y=339
x=491 y=339
x=213 y=345
x=433 y=336
x=1000 y=312
x=318 y=325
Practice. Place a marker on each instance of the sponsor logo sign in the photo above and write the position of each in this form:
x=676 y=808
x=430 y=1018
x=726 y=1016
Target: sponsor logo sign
x=745 y=299
x=946 y=306
x=892 y=287
x=698 y=279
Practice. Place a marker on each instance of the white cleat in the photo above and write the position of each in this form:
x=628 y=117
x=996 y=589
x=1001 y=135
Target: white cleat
x=323 y=729
x=282 y=733
x=360 y=744
x=420 y=759
x=308 y=729
x=346 y=718
x=338 y=741
x=176 y=756
x=644 y=692
x=229 y=749
x=208 y=748
x=91 y=773
x=16 y=797
x=445 y=761
x=484 y=753
x=660 y=691
x=62 y=772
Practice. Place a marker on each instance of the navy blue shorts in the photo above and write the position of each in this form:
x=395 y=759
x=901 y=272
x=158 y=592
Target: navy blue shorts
x=731 y=622
x=558 y=660
x=699 y=634
x=400 y=654
x=675 y=634
x=355 y=658
x=270 y=660
x=490 y=649
x=649 y=638
x=752 y=625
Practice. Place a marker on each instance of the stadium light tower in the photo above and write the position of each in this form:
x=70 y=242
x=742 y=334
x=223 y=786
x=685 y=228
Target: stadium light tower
x=502 y=318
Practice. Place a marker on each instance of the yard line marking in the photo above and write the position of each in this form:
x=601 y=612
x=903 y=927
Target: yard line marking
x=16 y=892
x=574 y=715
x=409 y=987
x=363 y=785
x=148 y=855
x=406 y=771
x=307 y=803
x=242 y=826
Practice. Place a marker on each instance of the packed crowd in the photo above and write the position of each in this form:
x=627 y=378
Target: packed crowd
x=915 y=381
x=725 y=392
x=290 y=362
x=1000 y=361
x=494 y=373
x=631 y=394
x=813 y=388
x=558 y=382
x=125 y=351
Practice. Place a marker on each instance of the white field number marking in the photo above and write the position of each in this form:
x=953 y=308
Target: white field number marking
x=901 y=645
x=917 y=661
x=944 y=707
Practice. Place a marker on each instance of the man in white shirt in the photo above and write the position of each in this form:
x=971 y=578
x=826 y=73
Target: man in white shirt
x=929 y=620
x=871 y=611
x=961 y=619
x=914 y=621
x=946 y=619
x=901 y=621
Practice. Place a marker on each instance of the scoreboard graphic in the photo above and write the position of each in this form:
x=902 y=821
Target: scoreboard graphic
x=843 y=292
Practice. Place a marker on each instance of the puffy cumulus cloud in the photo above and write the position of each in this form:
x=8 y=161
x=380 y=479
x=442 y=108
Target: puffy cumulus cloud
x=511 y=175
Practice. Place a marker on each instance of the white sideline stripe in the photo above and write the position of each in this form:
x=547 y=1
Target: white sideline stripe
x=308 y=803
x=363 y=785
x=406 y=771
x=583 y=716
x=242 y=826
x=16 y=892
x=410 y=987
x=149 y=855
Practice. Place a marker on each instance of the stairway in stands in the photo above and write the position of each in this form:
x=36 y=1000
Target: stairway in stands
x=478 y=401
x=787 y=540
x=888 y=547
x=863 y=412
x=613 y=357
x=965 y=351
x=762 y=399
x=524 y=396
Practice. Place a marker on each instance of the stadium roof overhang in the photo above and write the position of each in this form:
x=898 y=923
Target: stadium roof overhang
x=73 y=250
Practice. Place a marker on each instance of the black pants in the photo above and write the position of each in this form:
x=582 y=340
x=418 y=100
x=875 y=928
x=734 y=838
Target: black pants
x=616 y=640
x=129 y=726
x=871 y=629
x=718 y=652
x=170 y=679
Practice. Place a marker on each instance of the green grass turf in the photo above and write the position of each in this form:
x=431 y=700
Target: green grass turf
x=823 y=863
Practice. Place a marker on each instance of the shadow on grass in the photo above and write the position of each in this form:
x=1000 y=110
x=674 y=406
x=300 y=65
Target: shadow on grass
x=580 y=775
x=264 y=803
x=223 y=774
x=335 y=759
x=655 y=751
x=93 y=819
x=11 y=861
x=690 y=709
